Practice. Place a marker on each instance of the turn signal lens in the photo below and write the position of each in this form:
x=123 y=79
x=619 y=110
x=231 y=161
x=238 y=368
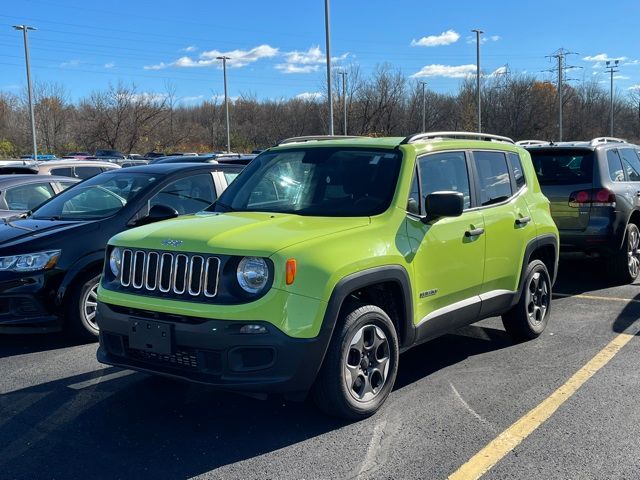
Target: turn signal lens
x=291 y=270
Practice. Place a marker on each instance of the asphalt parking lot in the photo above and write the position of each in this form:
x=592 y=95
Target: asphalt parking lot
x=63 y=415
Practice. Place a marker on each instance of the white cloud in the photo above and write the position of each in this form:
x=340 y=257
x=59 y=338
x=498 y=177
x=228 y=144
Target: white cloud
x=220 y=98
x=634 y=87
x=449 y=71
x=192 y=99
x=500 y=71
x=70 y=64
x=237 y=58
x=495 y=38
x=152 y=97
x=483 y=39
x=621 y=77
x=445 y=38
x=603 y=57
x=310 y=96
x=190 y=48
x=306 y=62
x=109 y=65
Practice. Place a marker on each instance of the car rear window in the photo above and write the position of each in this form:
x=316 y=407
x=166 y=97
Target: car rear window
x=563 y=167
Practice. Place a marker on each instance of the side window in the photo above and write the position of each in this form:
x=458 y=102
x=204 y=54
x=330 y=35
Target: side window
x=187 y=195
x=413 y=203
x=516 y=167
x=445 y=171
x=615 y=166
x=87 y=172
x=64 y=172
x=65 y=185
x=493 y=175
x=28 y=197
x=631 y=164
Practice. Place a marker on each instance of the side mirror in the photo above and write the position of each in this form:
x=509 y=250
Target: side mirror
x=157 y=213
x=443 y=204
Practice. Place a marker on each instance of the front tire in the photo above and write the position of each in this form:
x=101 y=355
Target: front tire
x=625 y=265
x=530 y=316
x=361 y=364
x=81 y=308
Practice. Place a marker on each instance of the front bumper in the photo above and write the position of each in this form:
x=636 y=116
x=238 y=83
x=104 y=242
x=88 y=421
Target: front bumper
x=213 y=352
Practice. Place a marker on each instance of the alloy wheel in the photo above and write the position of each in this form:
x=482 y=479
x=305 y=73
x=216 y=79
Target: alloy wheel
x=537 y=298
x=367 y=363
x=89 y=306
x=633 y=253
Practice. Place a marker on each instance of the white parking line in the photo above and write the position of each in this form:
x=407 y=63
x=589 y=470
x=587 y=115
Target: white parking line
x=102 y=378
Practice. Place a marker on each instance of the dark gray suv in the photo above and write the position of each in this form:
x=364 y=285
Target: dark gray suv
x=594 y=189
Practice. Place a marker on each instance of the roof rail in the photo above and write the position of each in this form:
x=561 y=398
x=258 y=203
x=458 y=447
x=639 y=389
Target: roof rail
x=316 y=138
x=528 y=143
x=442 y=135
x=601 y=140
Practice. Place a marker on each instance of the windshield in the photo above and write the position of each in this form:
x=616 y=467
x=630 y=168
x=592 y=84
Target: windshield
x=563 y=167
x=99 y=197
x=316 y=181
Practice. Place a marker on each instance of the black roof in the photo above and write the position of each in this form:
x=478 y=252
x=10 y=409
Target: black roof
x=167 y=168
x=7 y=181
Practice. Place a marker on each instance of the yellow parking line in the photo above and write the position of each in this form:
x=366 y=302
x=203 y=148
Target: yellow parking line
x=509 y=439
x=596 y=297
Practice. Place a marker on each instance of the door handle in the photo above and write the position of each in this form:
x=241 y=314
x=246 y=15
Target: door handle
x=474 y=233
x=523 y=220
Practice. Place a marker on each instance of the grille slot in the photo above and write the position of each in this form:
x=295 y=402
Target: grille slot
x=181 y=274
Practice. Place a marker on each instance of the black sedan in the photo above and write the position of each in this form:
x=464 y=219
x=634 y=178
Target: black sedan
x=50 y=262
x=22 y=193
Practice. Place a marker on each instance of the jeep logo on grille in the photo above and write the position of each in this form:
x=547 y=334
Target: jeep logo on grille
x=171 y=243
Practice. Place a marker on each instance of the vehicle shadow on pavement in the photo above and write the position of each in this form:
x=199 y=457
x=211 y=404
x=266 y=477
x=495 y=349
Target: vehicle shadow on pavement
x=581 y=276
x=11 y=344
x=137 y=425
x=628 y=320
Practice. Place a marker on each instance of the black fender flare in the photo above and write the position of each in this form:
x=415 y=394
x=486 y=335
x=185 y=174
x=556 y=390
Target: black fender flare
x=90 y=260
x=532 y=246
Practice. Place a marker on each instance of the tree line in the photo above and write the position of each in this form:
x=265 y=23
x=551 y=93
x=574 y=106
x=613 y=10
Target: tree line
x=381 y=104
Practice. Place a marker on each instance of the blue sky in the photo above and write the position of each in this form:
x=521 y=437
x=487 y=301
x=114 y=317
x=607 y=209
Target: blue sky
x=278 y=45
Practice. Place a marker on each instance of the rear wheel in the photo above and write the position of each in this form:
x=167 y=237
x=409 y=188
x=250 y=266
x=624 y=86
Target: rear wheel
x=81 y=308
x=529 y=317
x=625 y=265
x=361 y=364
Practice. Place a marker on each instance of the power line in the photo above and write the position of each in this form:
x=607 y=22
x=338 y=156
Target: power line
x=560 y=56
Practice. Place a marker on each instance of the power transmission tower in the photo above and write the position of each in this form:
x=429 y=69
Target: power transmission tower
x=560 y=56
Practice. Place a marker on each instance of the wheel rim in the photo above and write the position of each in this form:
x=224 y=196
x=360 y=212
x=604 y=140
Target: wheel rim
x=633 y=253
x=537 y=298
x=89 y=306
x=366 y=363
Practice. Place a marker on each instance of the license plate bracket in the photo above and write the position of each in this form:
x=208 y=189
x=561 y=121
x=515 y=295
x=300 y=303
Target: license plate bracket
x=150 y=336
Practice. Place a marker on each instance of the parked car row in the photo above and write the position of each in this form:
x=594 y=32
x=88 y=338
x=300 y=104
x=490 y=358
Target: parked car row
x=323 y=260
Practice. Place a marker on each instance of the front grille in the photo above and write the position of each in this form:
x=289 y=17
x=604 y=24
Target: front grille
x=182 y=274
x=179 y=359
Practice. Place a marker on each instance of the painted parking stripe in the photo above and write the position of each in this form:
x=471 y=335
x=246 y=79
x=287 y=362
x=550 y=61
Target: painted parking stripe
x=103 y=378
x=596 y=297
x=510 y=438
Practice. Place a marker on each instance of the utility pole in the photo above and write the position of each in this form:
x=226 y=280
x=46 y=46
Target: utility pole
x=226 y=98
x=343 y=74
x=424 y=108
x=327 y=29
x=612 y=67
x=478 y=33
x=560 y=56
x=25 y=29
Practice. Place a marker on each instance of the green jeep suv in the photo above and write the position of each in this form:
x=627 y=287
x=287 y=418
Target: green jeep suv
x=325 y=259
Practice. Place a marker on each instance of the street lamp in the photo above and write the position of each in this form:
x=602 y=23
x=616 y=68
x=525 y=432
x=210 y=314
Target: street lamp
x=327 y=30
x=424 y=108
x=612 y=67
x=343 y=74
x=25 y=29
x=478 y=33
x=226 y=98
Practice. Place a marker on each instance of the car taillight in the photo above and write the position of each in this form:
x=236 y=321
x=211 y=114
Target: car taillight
x=594 y=197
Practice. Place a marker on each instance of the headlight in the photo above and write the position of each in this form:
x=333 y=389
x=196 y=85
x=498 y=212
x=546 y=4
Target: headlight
x=115 y=261
x=252 y=274
x=30 y=262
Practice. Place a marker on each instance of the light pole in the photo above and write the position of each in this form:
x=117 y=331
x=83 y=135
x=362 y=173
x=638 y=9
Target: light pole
x=343 y=74
x=612 y=67
x=478 y=33
x=25 y=29
x=226 y=98
x=327 y=29
x=424 y=108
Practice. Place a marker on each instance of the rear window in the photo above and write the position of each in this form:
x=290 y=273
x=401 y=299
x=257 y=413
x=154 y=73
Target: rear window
x=563 y=167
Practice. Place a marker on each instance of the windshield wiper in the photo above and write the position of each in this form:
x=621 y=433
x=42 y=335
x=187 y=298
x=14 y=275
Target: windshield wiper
x=224 y=205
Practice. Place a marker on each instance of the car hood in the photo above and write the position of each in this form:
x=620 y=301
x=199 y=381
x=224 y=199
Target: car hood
x=17 y=231
x=235 y=233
